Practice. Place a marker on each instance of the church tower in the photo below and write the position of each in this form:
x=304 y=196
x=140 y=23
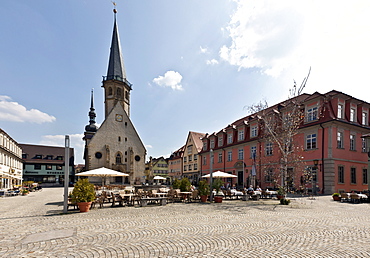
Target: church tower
x=116 y=144
x=116 y=87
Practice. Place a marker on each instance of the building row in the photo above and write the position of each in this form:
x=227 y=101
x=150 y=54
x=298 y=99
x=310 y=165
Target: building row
x=330 y=154
x=29 y=162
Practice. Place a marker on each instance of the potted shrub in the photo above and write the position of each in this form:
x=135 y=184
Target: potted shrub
x=336 y=196
x=281 y=193
x=185 y=185
x=176 y=184
x=217 y=185
x=284 y=201
x=83 y=194
x=203 y=190
x=25 y=192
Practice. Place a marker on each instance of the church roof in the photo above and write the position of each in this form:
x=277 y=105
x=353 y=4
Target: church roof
x=116 y=67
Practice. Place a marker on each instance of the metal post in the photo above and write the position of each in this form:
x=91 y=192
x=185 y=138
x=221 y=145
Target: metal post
x=66 y=174
x=210 y=175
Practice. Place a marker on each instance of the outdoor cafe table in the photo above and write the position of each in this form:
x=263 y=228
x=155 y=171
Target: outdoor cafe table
x=127 y=197
x=185 y=195
x=161 y=194
x=362 y=196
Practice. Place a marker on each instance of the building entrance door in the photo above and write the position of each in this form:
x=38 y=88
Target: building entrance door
x=240 y=179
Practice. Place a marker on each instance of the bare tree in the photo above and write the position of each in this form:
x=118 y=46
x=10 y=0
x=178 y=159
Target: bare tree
x=279 y=125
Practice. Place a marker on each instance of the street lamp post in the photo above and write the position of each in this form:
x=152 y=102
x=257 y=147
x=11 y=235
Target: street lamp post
x=66 y=174
x=314 y=176
x=210 y=175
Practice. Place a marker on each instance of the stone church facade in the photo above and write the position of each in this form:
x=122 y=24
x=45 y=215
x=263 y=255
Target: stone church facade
x=116 y=144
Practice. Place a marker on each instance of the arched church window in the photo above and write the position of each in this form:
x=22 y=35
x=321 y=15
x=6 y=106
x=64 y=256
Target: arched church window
x=110 y=91
x=119 y=92
x=118 y=159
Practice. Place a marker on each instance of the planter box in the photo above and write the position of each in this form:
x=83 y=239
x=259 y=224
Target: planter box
x=218 y=199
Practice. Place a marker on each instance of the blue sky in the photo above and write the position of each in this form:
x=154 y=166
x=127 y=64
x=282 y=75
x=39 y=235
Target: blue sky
x=194 y=65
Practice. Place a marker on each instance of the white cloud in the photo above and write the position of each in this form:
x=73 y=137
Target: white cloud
x=287 y=37
x=148 y=146
x=265 y=35
x=14 y=112
x=76 y=143
x=170 y=79
x=212 y=62
x=203 y=50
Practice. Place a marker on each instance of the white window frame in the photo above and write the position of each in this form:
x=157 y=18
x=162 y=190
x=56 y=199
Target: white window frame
x=241 y=135
x=340 y=140
x=311 y=114
x=269 y=149
x=254 y=131
x=229 y=138
x=311 y=141
x=229 y=156
x=352 y=142
x=364 y=118
x=340 y=111
x=220 y=140
x=253 y=150
x=241 y=154
x=220 y=157
x=352 y=114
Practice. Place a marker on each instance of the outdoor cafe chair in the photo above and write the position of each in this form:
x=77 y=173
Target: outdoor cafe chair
x=355 y=198
x=98 y=200
x=344 y=197
x=116 y=199
x=195 y=196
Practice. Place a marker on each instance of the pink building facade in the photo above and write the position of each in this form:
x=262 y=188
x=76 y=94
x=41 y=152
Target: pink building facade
x=333 y=153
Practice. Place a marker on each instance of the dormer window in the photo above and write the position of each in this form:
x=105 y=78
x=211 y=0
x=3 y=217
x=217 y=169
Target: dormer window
x=312 y=114
x=220 y=140
x=340 y=111
x=212 y=145
x=204 y=145
x=240 y=135
x=254 y=131
x=38 y=156
x=364 y=118
x=352 y=115
x=229 y=138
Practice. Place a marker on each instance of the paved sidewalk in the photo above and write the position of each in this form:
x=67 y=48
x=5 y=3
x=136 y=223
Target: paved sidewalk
x=34 y=226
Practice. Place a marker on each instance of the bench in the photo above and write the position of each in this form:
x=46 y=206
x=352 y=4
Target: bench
x=161 y=200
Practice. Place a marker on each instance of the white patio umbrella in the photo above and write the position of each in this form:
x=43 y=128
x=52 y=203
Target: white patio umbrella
x=159 y=178
x=102 y=172
x=220 y=174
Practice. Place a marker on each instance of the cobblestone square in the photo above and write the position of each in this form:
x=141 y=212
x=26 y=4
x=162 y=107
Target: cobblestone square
x=34 y=226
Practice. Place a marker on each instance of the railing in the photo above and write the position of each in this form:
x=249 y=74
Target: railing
x=117 y=78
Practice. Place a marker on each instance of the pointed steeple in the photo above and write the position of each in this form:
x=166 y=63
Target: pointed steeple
x=91 y=127
x=116 y=87
x=116 y=67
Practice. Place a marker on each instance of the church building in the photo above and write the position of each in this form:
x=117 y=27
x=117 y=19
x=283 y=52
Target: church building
x=116 y=144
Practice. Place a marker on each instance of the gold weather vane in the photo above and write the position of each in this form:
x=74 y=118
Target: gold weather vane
x=114 y=4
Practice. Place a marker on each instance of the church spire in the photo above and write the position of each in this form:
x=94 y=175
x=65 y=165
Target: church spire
x=116 y=87
x=116 y=67
x=91 y=127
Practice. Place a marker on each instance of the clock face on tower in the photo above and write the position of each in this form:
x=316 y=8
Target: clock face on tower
x=119 y=118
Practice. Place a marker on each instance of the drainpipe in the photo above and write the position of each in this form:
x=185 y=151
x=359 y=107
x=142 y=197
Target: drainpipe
x=322 y=159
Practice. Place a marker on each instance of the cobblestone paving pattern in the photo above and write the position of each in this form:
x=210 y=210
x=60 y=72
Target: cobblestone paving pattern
x=307 y=228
